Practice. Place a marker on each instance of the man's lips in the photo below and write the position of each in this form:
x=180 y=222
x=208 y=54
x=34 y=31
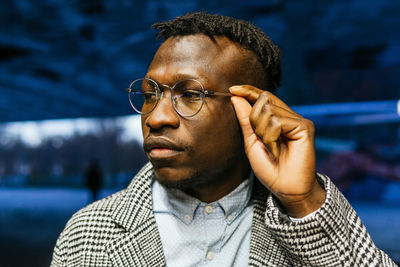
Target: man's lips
x=161 y=148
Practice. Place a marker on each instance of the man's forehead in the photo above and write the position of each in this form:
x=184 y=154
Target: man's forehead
x=199 y=46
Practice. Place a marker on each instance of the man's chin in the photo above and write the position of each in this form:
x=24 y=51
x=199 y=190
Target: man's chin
x=179 y=179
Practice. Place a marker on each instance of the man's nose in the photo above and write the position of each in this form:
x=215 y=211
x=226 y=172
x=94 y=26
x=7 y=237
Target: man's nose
x=163 y=114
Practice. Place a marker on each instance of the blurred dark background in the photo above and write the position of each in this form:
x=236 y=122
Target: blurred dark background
x=65 y=117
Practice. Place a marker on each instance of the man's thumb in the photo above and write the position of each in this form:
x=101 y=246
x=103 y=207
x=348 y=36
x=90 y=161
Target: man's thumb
x=243 y=109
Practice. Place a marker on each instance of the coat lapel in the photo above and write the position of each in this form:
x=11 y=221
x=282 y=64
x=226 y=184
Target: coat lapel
x=140 y=243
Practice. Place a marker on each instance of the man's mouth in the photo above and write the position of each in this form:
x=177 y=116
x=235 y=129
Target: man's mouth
x=161 y=148
x=160 y=153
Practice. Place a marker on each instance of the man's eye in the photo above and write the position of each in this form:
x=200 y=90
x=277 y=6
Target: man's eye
x=191 y=94
x=149 y=95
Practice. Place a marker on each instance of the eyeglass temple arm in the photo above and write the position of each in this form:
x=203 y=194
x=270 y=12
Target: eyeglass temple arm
x=207 y=93
x=211 y=93
x=129 y=90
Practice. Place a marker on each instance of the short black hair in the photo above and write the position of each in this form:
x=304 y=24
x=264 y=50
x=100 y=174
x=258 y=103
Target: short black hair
x=237 y=30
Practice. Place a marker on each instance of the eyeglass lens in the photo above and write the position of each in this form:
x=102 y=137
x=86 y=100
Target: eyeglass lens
x=187 y=96
x=143 y=95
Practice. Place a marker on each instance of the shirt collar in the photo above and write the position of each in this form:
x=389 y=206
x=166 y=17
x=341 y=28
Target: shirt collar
x=237 y=200
x=183 y=206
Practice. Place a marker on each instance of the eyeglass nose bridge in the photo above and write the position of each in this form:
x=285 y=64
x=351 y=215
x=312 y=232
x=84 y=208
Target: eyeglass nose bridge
x=161 y=94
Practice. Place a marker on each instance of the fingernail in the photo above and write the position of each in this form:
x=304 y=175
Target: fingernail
x=233 y=88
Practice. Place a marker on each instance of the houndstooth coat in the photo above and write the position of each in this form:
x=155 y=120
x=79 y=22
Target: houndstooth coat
x=120 y=230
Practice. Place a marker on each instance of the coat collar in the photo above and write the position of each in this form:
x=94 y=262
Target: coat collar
x=134 y=207
x=140 y=243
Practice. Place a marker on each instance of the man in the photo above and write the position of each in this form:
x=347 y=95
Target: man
x=231 y=179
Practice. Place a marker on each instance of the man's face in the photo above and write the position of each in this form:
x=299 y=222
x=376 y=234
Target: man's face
x=198 y=150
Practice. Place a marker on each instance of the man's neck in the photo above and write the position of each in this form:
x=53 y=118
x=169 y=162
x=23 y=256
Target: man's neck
x=223 y=184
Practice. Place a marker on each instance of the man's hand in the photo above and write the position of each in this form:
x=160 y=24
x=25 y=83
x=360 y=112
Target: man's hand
x=279 y=144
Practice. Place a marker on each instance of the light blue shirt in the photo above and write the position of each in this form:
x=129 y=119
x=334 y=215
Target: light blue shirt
x=194 y=233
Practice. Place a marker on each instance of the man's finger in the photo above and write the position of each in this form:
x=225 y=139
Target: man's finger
x=273 y=150
x=252 y=94
x=249 y=92
x=243 y=109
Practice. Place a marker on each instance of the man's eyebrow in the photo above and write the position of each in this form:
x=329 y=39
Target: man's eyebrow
x=181 y=76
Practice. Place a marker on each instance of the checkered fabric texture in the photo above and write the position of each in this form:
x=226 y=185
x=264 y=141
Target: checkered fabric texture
x=120 y=230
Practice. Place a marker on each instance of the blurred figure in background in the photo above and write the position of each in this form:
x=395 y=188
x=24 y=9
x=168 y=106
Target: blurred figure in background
x=93 y=177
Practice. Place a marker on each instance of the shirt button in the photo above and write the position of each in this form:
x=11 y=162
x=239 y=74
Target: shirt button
x=187 y=218
x=229 y=217
x=210 y=255
x=208 y=209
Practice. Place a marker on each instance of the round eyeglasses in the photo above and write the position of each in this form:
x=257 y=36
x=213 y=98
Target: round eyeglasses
x=187 y=96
